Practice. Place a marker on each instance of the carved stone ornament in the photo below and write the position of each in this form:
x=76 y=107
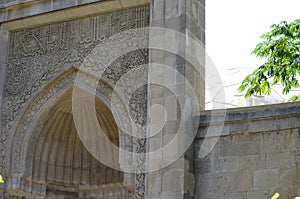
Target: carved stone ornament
x=42 y=65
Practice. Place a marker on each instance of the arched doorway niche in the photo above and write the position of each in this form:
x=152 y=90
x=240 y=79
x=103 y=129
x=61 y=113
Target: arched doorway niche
x=57 y=163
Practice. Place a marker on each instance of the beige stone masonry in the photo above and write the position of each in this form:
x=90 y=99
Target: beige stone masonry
x=102 y=7
x=256 y=155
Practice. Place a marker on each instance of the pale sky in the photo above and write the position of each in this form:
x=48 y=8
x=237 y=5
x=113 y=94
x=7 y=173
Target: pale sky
x=234 y=27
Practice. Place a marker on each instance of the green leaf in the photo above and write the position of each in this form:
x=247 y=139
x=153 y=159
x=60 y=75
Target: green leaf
x=294 y=98
x=280 y=47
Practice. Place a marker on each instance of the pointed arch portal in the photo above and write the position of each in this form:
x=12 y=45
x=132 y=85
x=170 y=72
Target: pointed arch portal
x=59 y=166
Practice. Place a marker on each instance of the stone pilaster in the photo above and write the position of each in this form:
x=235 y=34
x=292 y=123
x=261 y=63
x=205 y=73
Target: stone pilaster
x=4 y=43
x=175 y=180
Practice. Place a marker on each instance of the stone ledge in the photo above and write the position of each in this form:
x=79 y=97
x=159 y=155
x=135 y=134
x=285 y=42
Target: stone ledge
x=14 y=3
x=248 y=126
x=35 y=14
x=247 y=113
x=248 y=120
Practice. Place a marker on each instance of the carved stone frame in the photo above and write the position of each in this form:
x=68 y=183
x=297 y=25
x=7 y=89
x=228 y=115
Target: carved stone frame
x=12 y=164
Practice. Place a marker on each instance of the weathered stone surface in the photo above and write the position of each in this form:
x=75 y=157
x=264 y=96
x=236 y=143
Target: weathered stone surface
x=235 y=181
x=229 y=163
x=281 y=113
x=267 y=153
x=206 y=184
x=236 y=145
x=289 y=140
x=258 y=194
x=270 y=143
x=265 y=125
x=240 y=195
x=265 y=179
x=280 y=160
x=173 y=14
x=289 y=177
x=252 y=162
x=65 y=9
x=4 y=43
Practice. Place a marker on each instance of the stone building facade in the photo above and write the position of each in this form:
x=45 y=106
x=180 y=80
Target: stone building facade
x=53 y=53
x=57 y=53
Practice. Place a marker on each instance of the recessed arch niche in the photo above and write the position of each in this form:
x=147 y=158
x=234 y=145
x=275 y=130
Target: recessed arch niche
x=59 y=166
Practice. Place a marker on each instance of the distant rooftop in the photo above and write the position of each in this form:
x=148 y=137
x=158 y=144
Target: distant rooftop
x=232 y=78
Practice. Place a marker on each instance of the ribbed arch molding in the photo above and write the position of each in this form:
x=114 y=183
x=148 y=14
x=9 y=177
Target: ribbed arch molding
x=59 y=162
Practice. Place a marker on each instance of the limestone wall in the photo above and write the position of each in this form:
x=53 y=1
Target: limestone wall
x=257 y=154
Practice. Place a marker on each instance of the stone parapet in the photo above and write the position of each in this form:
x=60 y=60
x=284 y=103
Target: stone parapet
x=256 y=152
x=251 y=119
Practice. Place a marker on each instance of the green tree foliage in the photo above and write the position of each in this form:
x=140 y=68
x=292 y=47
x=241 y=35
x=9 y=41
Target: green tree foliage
x=281 y=50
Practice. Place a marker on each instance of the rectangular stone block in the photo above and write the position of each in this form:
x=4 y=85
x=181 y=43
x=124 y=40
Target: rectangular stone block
x=86 y=1
x=261 y=113
x=236 y=181
x=239 y=195
x=214 y=130
x=236 y=128
x=173 y=178
x=279 y=160
x=258 y=195
x=210 y=195
x=289 y=140
x=284 y=111
x=155 y=195
x=133 y=3
x=172 y=108
x=270 y=143
x=29 y=10
x=206 y=165
x=262 y=125
x=229 y=164
x=284 y=123
x=3 y=15
x=58 y=4
x=207 y=183
x=210 y=149
x=201 y=15
x=243 y=144
x=17 y=13
x=297 y=160
x=289 y=178
x=265 y=179
x=155 y=182
x=252 y=162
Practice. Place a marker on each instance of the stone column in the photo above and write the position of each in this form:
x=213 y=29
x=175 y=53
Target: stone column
x=176 y=180
x=4 y=45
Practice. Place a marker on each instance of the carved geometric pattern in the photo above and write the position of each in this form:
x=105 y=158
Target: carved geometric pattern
x=18 y=72
x=39 y=55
